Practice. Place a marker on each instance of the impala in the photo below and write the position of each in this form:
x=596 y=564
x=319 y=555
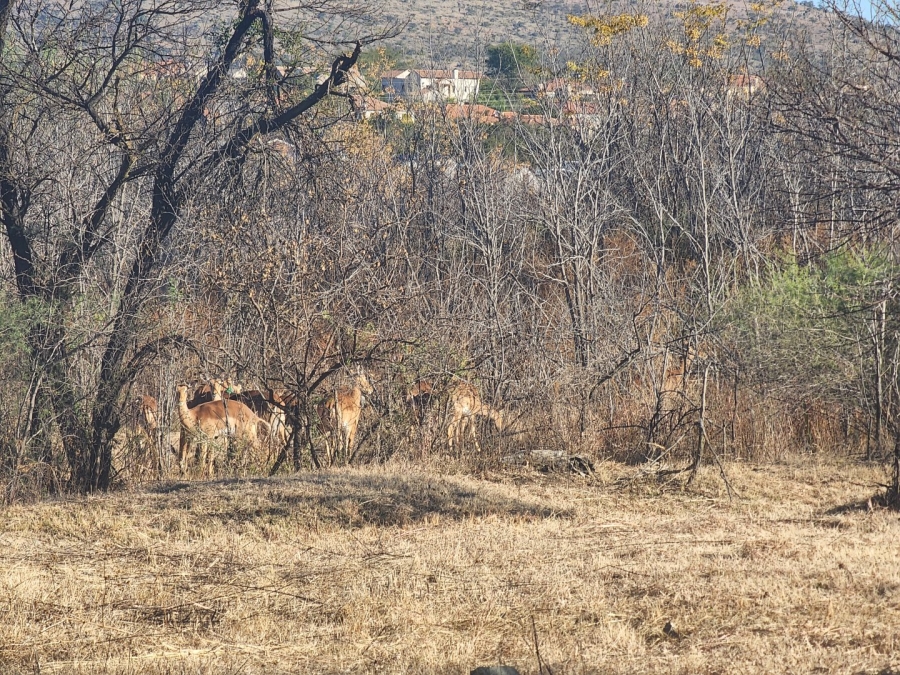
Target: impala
x=138 y=432
x=418 y=397
x=266 y=406
x=209 y=422
x=149 y=412
x=202 y=394
x=339 y=414
x=467 y=405
x=213 y=390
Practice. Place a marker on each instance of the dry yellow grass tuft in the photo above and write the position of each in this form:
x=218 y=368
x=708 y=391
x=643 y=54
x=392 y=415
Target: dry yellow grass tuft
x=402 y=570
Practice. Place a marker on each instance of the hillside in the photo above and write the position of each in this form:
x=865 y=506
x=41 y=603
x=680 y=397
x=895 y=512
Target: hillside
x=448 y=30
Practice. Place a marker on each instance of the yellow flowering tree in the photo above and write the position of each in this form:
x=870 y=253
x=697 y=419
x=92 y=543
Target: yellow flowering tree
x=704 y=33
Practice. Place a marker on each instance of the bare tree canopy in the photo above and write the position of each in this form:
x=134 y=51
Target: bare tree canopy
x=675 y=242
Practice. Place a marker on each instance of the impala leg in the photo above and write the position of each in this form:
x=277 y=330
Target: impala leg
x=328 y=452
x=200 y=455
x=156 y=448
x=332 y=449
x=351 y=434
x=211 y=460
x=278 y=433
x=474 y=435
x=277 y=437
x=182 y=451
x=451 y=433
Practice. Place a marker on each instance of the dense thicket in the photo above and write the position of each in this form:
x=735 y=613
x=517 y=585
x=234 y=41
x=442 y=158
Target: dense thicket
x=686 y=246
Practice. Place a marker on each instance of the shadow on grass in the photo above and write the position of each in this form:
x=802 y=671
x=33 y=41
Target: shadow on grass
x=879 y=500
x=859 y=506
x=170 y=488
x=348 y=499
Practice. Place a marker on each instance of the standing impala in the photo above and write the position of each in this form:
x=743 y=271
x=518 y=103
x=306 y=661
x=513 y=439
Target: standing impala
x=339 y=414
x=418 y=398
x=266 y=406
x=209 y=422
x=149 y=412
x=467 y=405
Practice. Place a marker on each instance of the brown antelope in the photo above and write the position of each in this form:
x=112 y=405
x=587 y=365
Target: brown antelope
x=140 y=418
x=149 y=415
x=283 y=403
x=467 y=405
x=213 y=390
x=266 y=406
x=149 y=412
x=137 y=437
x=211 y=421
x=339 y=414
x=418 y=397
x=202 y=394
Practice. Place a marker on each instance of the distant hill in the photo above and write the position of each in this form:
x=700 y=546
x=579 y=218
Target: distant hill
x=444 y=31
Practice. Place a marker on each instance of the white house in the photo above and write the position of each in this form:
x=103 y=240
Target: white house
x=431 y=85
x=393 y=83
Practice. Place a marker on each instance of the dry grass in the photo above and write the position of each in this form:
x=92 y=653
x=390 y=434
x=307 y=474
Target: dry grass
x=403 y=570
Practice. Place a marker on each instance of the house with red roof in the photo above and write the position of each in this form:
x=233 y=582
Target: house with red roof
x=432 y=86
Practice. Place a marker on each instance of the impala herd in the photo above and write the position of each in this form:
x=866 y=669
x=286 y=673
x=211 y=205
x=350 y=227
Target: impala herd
x=219 y=414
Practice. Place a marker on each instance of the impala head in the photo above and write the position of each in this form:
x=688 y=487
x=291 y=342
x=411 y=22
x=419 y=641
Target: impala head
x=218 y=389
x=362 y=381
x=182 y=390
x=231 y=387
x=421 y=388
x=283 y=398
x=149 y=403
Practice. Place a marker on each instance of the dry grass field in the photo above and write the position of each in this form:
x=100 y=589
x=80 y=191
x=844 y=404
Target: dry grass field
x=399 y=569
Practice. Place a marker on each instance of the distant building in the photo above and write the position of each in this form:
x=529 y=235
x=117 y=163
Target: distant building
x=564 y=89
x=431 y=86
x=584 y=114
x=393 y=84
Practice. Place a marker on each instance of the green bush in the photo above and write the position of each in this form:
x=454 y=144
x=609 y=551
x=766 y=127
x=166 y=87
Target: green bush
x=804 y=330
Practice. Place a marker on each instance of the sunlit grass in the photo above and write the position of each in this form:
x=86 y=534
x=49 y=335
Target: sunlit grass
x=401 y=569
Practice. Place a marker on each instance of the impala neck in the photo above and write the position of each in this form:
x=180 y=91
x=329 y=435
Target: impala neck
x=184 y=413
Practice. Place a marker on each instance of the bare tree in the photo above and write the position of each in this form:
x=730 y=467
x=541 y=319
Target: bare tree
x=88 y=67
x=841 y=111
